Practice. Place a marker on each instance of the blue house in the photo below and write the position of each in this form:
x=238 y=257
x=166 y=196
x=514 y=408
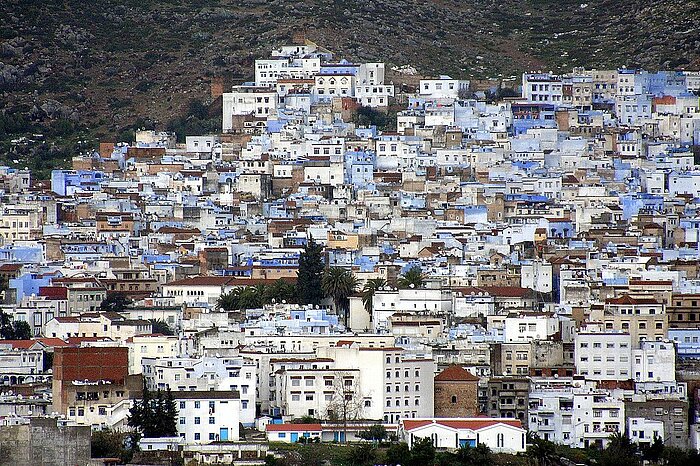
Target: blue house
x=68 y=182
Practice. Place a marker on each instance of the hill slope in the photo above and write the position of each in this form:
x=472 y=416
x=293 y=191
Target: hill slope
x=66 y=65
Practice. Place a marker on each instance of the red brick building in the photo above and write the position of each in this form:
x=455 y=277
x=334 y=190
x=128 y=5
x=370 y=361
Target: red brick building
x=456 y=393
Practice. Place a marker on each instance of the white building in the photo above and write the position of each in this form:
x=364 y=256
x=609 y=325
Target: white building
x=603 y=355
x=542 y=88
x=443 y=87
x=398 y=384
x=411 y=301
x=654 y=361
x=500 y=435
x=260 y=102
x=644 y=431
x=536 y=275
x=207 y=416
x=205 y=374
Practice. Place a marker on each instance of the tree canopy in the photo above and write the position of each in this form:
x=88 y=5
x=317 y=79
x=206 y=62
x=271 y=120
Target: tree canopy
x=338 y=284
x=412 y=278
x=154 y=416
x=310 y=274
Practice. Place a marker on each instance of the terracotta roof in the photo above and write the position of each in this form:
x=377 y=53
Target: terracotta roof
x=202 y=280
x=67 y=320
x=10 y=267
x=293 y=428
x=54 y=292
x=467 y=423
x=627 y=299
x=455 y=373
x=18 y=344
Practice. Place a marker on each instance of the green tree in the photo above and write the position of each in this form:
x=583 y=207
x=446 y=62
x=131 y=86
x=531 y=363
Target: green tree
x=368 y=116
x=376 y=433
x=398 y=453
x=412 y=278
x=280 y=291
x=109 y=444
x=338 y=284
x=620 y=451
x=542 y=451
x=154 y=416
x=422 y=453
x=229 y=301
x=361 y=455
x=170 y=413
x=654 y=451
x=22 y=330
x=673 y=456
x=115 y=302
x=251 y=297
x=368 y=291
x=14 y=330
x=310 y=273
x=161 y=326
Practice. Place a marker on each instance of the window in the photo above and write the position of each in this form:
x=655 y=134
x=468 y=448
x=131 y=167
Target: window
x=197 y=436
x=454 y=399
x=196 y=405
x=212 y=420
x=197 y=420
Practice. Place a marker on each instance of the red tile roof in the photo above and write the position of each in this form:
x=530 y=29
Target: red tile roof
x=54 y=292
x=627 y=299
x=10 y=267
x=202 y=280
x=455 y=373
x=293 y=427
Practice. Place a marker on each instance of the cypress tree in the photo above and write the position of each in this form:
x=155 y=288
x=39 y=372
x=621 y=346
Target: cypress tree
x=310 y=273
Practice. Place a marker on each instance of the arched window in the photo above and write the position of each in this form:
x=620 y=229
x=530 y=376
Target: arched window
x=454 y=399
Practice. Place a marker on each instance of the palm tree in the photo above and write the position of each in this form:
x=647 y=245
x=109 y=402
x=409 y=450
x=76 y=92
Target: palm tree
x=250 y=297
x=372 y=285
x=229 y=301
x=281 y=291
x=412 y=278
x=338 y=284
x=542 y=451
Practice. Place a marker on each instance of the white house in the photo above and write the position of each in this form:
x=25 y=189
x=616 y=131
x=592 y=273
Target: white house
x=207 y=416
x=260 y=102
x=643 y=431
x=500 y=435
x=654 y=361
x=603 y=355
x=443 y=87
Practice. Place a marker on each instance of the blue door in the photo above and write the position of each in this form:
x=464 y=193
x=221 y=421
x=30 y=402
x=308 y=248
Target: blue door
x=223 y=433
x=295 y=436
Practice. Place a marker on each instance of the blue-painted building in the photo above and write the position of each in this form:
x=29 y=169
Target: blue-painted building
x=68 y=182
x=359 y=169
x=687 y=342
x=29 y=283
x=532 y=115
x=21 y=254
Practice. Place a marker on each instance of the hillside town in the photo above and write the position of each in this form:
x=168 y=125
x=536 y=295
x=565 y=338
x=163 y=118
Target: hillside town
x=473 y=263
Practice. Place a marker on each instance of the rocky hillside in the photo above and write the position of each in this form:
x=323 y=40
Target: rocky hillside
x=75 y=69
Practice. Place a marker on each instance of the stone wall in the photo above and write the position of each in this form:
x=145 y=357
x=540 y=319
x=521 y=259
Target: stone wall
x=43 y=442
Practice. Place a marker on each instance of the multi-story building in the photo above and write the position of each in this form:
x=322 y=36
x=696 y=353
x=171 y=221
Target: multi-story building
x=507 y=397
x=207 y=416
x=604 y=355
x=205 y=374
